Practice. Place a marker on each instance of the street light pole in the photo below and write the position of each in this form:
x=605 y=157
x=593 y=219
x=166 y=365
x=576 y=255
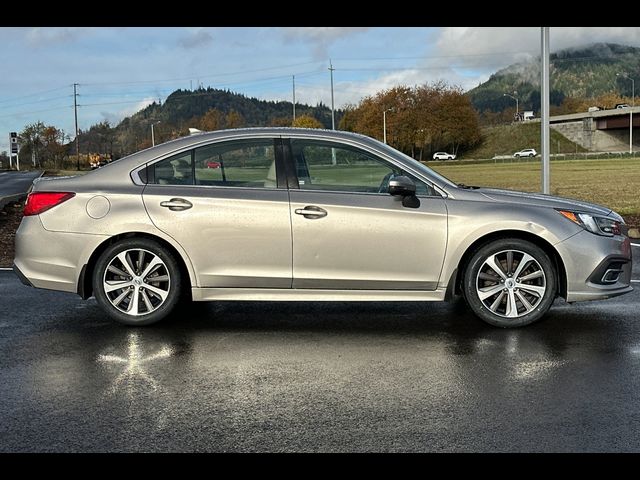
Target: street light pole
x=384 y=126
x=515 y=98
x=153 y=137
x=633 y=104
x=544 y=110
x=333 y=119
x=294 y=98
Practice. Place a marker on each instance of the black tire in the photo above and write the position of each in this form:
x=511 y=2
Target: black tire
x=173 y=285
x=538 y=308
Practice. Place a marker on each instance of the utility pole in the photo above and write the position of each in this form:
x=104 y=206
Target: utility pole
x=294 y=98
x=75 y=111
x=333 y=118
x=544 y=110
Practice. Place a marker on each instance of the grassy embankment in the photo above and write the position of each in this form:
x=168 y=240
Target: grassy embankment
x=613 y=182
x=507 y=139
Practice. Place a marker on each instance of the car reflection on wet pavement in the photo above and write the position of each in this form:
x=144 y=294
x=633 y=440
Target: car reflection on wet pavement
x=316 y=377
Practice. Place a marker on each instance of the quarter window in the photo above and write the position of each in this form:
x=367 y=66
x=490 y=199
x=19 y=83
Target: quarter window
x=175 y=170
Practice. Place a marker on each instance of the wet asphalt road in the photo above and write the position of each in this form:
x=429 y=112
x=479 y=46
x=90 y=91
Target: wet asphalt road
x=316 y=377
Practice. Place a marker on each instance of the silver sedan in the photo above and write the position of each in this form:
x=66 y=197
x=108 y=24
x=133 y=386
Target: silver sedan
x=296 y=214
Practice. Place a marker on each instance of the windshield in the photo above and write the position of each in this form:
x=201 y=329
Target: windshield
x=418 y=166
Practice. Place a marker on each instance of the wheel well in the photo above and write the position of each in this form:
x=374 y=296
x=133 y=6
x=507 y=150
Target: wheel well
x=85 y=284
x=561 y=272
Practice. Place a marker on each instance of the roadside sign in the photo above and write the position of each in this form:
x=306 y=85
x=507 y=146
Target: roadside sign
x=14 y=142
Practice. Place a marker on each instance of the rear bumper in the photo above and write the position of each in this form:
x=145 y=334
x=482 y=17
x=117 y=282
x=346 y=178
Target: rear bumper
x=20 y=275
x=51 y=260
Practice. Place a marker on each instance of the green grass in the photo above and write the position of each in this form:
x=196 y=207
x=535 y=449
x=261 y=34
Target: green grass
x=507 y=139
x=614 y=183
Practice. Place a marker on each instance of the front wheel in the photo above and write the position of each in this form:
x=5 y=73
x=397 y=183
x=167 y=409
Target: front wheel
x=510 y=283
x=137 y=282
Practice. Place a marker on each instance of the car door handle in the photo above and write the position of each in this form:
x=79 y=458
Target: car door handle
x=177 y=204
x=311 y=212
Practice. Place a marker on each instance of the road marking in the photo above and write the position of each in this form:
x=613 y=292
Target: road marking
x=635 y=281
x=636 y=244
x=5 y=269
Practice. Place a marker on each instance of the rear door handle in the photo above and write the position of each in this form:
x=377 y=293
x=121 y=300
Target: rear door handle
x=177 y=204
x=311 y=212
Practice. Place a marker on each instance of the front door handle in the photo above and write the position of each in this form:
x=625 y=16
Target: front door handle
x=311 y=212
x=177 y=204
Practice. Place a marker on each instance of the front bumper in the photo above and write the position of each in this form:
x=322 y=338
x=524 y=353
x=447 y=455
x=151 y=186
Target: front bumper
x=51 y=260
x=587 y=257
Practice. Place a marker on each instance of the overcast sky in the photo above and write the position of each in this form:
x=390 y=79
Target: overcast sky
x=120 y=70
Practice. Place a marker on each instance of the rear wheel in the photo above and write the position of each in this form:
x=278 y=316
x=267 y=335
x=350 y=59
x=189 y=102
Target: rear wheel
x=137 y=282
x=510 y=283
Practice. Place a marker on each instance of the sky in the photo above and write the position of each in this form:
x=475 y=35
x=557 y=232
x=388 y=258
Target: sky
x=120 y=70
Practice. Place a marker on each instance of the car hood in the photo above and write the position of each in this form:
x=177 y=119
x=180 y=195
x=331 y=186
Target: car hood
x=537 y=199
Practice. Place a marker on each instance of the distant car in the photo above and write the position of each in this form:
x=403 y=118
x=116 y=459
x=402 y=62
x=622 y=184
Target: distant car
x=527 y=152
x=623 y=105
x=213 y=164
x=443 y=156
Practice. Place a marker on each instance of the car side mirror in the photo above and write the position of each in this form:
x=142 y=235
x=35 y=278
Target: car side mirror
x=402 y=186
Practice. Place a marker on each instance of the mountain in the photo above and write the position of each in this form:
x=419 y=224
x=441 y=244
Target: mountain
x=200 y=108
x=578 y=72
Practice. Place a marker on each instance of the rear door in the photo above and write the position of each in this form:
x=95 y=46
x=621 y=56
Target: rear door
x=227 y=205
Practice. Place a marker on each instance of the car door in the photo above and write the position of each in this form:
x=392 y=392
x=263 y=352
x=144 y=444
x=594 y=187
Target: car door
x=227 y=205
x=349 y=233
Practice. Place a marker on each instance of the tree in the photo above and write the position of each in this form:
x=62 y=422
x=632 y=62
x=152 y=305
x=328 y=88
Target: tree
x=426 y=117
x=306 y=121
x=212 y=120
x=53 y=148
x=234 y=120
x=32 y=141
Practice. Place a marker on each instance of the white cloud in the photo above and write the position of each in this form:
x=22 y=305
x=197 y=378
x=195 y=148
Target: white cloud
x=490 y=46
x=195 y=39
x=47 y=36
x=320 y=37
x=115 y=117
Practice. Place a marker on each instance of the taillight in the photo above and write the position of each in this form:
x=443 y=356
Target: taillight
x=38 y=202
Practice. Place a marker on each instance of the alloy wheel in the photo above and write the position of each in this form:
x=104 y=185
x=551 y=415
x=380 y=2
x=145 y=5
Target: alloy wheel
x=136 y=282
x=511 y=283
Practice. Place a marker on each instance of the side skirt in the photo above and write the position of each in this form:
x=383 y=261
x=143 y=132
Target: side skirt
x=316 y=295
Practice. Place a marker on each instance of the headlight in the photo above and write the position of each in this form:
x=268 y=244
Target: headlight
x=605 y=226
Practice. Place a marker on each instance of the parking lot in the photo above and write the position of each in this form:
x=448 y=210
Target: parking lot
x=316 y=377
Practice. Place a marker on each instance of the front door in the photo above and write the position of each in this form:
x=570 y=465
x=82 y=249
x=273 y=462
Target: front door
x=224 y=205
x=349 y=233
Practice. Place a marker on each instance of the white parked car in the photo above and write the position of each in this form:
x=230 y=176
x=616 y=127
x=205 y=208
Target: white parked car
x=527 y=152
x=443 y=156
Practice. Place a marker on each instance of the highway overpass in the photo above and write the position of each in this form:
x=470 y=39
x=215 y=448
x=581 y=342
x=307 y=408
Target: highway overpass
x=600 y=131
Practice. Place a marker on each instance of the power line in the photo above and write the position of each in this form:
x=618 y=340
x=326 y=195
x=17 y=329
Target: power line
x=33 y=94
x=225 y=74
x=18 y=114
